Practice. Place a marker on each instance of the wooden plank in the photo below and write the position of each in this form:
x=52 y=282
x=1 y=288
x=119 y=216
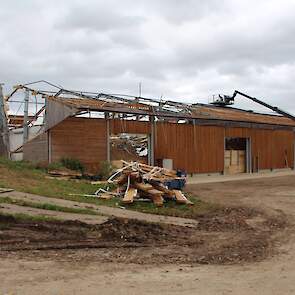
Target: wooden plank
x=154 y=192
x=130 y=195
x=143 y=186
x=180 y=198
x=168 y=193
x=157 y=200
x=6 y=190
x=106 y=196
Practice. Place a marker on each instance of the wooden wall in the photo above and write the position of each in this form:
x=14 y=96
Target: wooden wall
x=283 y=149
x=200 y=149
x=36 y=150
x=127 y=126
x=80 y=138
x=194 y=148
x=271 y=149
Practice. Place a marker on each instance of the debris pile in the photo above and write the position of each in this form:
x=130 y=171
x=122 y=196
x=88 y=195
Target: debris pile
x=129 y=147
x=137 y=181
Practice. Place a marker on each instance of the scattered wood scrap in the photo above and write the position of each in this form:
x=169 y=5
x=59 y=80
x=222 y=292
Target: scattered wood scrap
x=129 y=196
x=137 y=181
x=65 y=173
x=5 y=190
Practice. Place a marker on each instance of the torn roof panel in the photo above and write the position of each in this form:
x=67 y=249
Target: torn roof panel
x=76 y=101
x=199 y=111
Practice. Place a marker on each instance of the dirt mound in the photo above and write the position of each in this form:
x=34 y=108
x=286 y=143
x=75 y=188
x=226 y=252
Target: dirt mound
x=227 y=219
x=132 y=231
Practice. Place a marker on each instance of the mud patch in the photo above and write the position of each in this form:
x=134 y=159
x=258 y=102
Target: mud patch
x=226 y=236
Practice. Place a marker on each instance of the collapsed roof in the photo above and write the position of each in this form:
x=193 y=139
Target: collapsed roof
x=75 y=102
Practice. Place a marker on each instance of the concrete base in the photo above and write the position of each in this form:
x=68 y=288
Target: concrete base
x=282 y=169
x=264 y=171
x=204 y=174
x=198 y=179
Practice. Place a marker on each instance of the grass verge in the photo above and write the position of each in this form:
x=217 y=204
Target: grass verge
x=26 y=217
x=25 y=177
x=171 y=208
x=47 y=206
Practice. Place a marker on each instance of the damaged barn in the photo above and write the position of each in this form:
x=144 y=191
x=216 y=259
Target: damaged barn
x=196 y=138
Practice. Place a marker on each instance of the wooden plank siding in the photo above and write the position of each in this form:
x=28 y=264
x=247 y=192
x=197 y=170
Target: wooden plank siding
x=262 y=149
x=270 y=148
x=283 y=149
x=36 y=150
x=80 y=138
x=194 y=148
x=129 y=126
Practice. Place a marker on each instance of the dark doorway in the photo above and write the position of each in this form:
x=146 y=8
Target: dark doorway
x=235 y=155
x=235 y=143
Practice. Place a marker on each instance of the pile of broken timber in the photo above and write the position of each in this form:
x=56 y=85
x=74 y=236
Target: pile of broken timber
x=140 y=181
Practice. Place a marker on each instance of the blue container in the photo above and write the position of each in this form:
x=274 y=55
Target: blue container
x=176 y=184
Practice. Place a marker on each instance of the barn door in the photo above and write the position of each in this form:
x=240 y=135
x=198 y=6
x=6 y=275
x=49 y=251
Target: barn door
x=235 y=155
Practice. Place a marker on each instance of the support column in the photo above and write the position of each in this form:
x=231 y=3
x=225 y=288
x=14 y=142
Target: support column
x=26 y=116
x=152 y=141
x=49 y=146
x=107 y=117
x=248 y=155
x=45 y=111
x=4 y=132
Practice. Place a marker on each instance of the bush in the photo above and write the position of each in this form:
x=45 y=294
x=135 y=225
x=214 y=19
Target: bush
x=42 y=165
x=105 y=170
x=72 y=164
x=68 y=163
x=55 y=166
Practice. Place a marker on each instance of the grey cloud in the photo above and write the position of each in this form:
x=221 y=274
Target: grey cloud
x=185 y=50
x=178 y=12
x=99 y=17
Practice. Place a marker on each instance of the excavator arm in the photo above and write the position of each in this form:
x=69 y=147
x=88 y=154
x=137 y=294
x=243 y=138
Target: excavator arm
x=275 y=109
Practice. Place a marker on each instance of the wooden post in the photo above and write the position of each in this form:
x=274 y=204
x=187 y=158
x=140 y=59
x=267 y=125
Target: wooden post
x=107 y=117
x=152 y=141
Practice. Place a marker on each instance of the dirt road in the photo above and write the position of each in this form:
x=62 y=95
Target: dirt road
x=77 y=274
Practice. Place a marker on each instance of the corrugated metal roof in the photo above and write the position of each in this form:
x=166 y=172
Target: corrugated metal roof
x=227 y=113
x=195 y=112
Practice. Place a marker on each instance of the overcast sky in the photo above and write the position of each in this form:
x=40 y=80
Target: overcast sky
x=179 y=49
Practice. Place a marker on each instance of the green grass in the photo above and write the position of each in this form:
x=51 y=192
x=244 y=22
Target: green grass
x=171 y=208
x=27 y=217
x=25 y=177
x=47 y=206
